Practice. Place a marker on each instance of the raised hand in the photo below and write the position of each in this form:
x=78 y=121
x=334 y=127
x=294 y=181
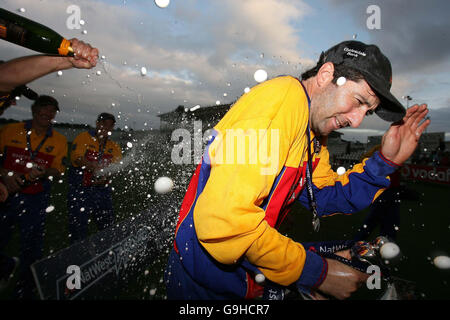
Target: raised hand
x=402 y=138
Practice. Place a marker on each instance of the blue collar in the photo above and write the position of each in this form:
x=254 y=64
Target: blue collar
x=92 y=132
x=306 y=93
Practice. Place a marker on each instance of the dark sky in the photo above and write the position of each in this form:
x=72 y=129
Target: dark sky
x=203 y=52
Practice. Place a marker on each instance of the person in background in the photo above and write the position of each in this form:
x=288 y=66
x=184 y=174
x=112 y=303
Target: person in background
x=32 y=156
x=90 y=193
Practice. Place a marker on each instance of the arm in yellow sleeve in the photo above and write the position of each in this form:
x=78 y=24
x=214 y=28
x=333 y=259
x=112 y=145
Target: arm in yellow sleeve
x=228 y=220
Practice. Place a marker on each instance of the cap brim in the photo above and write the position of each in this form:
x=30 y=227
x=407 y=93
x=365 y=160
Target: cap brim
x=389 y=109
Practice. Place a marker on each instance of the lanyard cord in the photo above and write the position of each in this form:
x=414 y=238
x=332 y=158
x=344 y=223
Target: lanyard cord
x=309 y=188
x=101 y=150
x=309 y=170
x=34 y=153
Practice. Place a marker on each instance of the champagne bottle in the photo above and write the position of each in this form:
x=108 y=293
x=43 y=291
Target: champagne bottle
x=32 y=35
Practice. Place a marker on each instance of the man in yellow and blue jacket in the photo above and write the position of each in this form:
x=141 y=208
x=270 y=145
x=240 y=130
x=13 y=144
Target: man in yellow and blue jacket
x=240 y=192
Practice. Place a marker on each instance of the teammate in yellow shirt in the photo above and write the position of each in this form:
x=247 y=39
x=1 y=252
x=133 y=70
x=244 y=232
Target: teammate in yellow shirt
x=32 y=156
x=90 y=193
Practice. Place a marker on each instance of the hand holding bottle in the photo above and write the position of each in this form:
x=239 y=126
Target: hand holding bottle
x=85 y=56
x=342 y=280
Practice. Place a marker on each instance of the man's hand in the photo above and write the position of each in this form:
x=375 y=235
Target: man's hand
x=99 y=180
x=85 y=55
x=13 y=183
x=36 y=173
x=341 y=280
x=400 y=141
x=87 y=165
x=92 y=166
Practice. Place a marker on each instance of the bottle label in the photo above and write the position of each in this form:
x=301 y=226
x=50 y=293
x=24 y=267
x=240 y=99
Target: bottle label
x=64 y=47
x=2 y=31
x=12 y=32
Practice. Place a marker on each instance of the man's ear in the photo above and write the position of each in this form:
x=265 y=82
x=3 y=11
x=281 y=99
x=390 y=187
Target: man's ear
x=325 y=74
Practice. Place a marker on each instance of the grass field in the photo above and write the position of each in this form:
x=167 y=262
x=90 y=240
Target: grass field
x=424 y=229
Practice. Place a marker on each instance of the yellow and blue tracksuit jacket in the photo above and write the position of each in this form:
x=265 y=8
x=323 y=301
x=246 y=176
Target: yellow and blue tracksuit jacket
x=231 y=211
x=15 y=156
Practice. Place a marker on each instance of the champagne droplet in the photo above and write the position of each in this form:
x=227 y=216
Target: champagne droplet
x=341 y=81
x=260 y=75
x=162 y=3
x=340 y=171
x=260 y=278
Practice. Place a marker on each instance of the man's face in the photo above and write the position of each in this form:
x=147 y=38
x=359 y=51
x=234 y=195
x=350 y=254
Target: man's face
x=44 y=115
x=103 y=127
x=336 y=107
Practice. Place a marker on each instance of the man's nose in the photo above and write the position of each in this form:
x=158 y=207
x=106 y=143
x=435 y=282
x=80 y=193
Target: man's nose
x=357 y=117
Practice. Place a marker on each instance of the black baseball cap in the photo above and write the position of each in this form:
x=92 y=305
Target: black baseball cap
x=106 y=116
x=376 y=70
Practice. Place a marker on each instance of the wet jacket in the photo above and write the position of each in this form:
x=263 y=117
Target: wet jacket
x=235 y=202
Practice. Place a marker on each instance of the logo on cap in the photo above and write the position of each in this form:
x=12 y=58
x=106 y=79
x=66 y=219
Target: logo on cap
x=353 y=52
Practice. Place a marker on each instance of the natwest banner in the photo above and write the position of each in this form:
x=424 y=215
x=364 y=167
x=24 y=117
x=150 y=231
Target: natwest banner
x=426 y=173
